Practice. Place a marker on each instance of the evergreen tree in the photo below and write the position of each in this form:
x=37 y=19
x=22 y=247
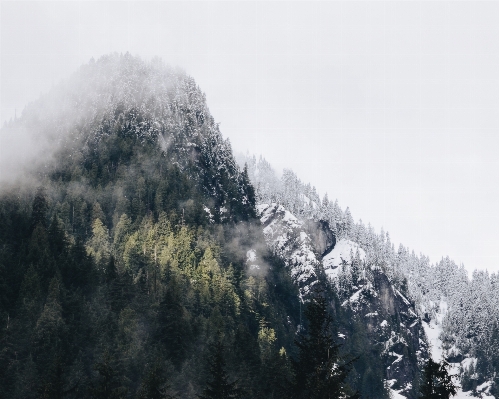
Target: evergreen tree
x=174 y=329
x=320 y=373
x=154 y=384
x=437 y=383
x=40 y=209
x=218 y=385
x=275 y=375
x=249 y=192
x=57 y=238
x=107 y=384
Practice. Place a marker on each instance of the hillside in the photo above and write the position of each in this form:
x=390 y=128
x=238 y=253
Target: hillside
x=138 y=259
x=128 y=249
x=123 y=258
x=459 y=315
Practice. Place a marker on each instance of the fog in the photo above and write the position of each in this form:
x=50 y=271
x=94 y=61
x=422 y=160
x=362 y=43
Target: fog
x=390 y=107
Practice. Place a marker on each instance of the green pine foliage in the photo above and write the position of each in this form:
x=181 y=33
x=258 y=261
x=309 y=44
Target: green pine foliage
x=129 y=257
x=218 y=385
x=320 y=372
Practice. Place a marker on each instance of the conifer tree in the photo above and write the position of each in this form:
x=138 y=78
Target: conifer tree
x=218 y=385
x=437 y=383
x=107 y=384
x=320 y=373
x=173 y=326
x=154 y=384
x=249 y=191
x=39 y=209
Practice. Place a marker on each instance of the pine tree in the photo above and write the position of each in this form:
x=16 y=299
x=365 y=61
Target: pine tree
x=250 y=196
x=40 y=209
x=57 y=238
x=108 y=383
x=174 y=329
x=218 y=385
x=437 y=383
x=154 y=384
x=275 y=375
x=320 y=373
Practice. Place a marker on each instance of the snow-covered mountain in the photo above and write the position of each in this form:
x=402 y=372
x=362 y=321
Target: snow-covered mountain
x=367 y=294
x=144 y=222
x=410 y=307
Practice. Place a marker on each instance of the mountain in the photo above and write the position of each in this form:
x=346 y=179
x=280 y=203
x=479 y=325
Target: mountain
x=123 y=252
x=372 y=309
x=439 y=311
x=138 y=259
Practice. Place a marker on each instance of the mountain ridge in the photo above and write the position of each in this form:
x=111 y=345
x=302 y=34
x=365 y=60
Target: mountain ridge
x=142 y=243
x=426 y=284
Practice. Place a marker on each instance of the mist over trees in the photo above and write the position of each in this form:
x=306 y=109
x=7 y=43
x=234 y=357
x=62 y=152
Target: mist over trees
x=471 y=319
x=128 y=264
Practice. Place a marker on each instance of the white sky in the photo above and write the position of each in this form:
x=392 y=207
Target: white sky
x=393 y=108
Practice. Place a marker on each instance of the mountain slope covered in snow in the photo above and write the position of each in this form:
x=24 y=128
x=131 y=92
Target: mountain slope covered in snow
x=457 y=318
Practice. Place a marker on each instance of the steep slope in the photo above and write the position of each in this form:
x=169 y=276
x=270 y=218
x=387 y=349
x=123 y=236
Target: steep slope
x=136 y=242
x=95 y=124
x=368 y=300
x=124 y=257
x=466 y=334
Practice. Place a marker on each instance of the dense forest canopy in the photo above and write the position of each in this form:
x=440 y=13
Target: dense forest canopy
x=138 y=260
x=123 y=269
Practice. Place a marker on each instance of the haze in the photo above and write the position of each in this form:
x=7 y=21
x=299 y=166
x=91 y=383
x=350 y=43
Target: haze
x=392 y=108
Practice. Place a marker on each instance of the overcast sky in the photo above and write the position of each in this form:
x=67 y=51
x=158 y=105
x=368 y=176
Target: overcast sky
x=392 y=108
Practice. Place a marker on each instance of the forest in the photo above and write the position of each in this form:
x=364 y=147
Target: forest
x=125 y=264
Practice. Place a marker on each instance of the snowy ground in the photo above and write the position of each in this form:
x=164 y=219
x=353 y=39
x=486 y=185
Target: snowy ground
x=342 y=252
x=395 y=395
x=433 y=331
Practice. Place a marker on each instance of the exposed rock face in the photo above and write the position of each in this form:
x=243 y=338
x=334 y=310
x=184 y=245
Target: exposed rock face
x=310 y=249
x=286 y=236
x=391 y=321
x=321 y=235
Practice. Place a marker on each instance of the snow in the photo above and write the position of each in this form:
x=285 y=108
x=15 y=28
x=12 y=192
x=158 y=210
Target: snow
x=395 y=394
x=398 y=357
x=353 y=298
x=466 y=363
x=433 y=331
x=341 y=253
x=465 y=395
x=290 y=218
x=251 y=255
x=210 y=216
x=384 y=323
x=483 y=387
x=403 y=298
x=284 y=235
x=266 y=211
x=251 y=258
x=261 y=208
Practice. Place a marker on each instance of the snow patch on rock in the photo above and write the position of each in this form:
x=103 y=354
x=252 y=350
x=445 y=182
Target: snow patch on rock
x=286 y=237
x=341 y=253
x=251 y=255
